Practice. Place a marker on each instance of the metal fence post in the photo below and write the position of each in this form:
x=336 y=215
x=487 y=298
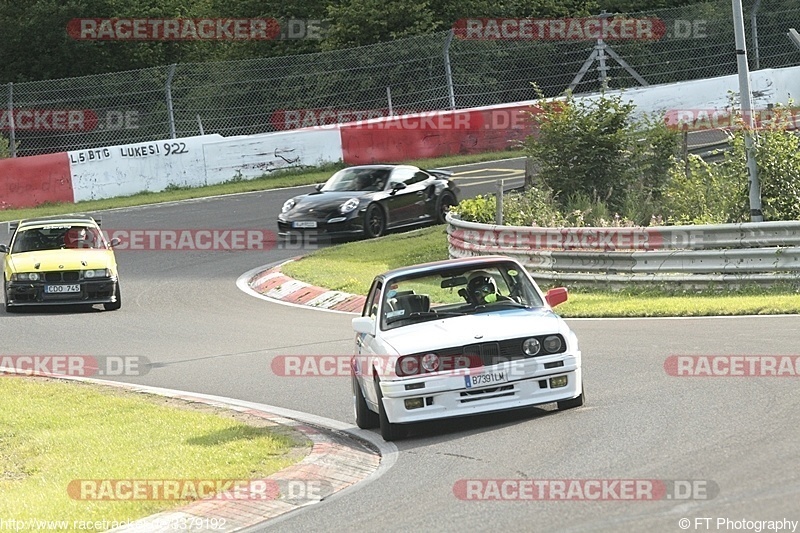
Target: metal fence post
x=389 y=98
x=754 y=28
x=498 y=219
x=745 y=101
x=169 y=101
x=447 y=71
x=12 y=142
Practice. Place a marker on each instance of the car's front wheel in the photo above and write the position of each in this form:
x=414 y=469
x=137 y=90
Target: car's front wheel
x=8 y=308
x=389 y=431
x=443 y=205
x=374 y=221
x=365 y=418
x=573 y=403
x=113 y=306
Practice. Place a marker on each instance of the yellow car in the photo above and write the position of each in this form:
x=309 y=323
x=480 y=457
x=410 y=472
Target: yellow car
x=60 y=260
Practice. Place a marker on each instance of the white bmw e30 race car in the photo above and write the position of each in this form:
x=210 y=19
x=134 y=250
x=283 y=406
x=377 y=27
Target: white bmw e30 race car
x=460 y=337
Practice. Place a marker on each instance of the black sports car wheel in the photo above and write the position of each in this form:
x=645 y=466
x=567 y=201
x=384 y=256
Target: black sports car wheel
x=443 y=205
x=374 y=221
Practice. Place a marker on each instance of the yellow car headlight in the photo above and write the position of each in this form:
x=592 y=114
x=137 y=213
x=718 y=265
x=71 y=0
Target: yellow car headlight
x=26 y=276
x=96 y=273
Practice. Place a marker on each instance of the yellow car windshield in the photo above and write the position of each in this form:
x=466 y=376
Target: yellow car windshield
x=55 y=238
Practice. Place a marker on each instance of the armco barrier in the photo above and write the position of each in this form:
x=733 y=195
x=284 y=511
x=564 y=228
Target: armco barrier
x=763 y=253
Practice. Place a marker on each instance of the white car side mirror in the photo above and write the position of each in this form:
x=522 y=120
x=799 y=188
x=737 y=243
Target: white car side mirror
x=364 y=324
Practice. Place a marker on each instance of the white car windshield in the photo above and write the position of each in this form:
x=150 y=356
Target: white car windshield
x=454 y=292
x=357 y=179
x=55 y=237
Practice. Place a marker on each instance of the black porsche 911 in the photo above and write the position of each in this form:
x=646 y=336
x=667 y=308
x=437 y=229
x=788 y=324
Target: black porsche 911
x=369 y=200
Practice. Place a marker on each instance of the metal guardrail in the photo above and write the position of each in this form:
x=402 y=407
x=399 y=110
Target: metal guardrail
x=696 y=256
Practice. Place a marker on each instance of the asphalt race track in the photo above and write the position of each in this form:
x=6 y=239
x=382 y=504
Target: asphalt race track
x=183 y=311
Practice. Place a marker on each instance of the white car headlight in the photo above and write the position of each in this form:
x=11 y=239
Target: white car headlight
x=430 y=362
x=531 y=346
x=552 y=343
x=288 y=205
x=348 y=206
x=97 y=273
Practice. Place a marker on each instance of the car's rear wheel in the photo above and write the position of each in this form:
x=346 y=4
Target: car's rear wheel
x=443 y=205
x=374 y=221
x=389 y=431
x=573 y=403
x=365 y=418
x=113 y=306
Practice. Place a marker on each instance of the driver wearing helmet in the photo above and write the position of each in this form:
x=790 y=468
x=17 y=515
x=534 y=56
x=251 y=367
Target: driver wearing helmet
x=78 y=237
x=482 y=289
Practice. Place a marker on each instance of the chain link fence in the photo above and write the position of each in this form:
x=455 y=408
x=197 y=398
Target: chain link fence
x=439 y=71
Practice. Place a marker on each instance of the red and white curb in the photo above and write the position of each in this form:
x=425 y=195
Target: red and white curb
x=271 y=284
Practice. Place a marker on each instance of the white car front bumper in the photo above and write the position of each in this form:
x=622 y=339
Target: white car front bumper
x=446 y=395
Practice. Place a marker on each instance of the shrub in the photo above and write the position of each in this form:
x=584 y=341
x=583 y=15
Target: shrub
x=709 y=193
x=597 y=148
x=533 y=207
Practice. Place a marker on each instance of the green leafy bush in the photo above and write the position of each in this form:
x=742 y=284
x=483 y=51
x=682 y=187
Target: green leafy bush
x=533 y=207
x=5 y=148
x=706 y=193
x=715 y=193
x=598 y=149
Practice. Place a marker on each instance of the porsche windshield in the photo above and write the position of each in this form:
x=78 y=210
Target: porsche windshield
x=55 y=237
x=358 y=179
x=455 y=292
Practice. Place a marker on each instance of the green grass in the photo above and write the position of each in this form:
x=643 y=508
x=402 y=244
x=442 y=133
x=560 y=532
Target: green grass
x=606 y=304
x=350 y=268
x=53 y=432
x=270 y=181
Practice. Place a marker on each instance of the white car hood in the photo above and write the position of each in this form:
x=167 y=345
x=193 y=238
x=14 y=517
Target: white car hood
x=471 y=329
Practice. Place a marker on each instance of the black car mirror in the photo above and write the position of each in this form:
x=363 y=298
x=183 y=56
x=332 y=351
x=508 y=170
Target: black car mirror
x=454 y=282
x=3 y=249
x=398 y=186
x=113 y=242
x=318 y=186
